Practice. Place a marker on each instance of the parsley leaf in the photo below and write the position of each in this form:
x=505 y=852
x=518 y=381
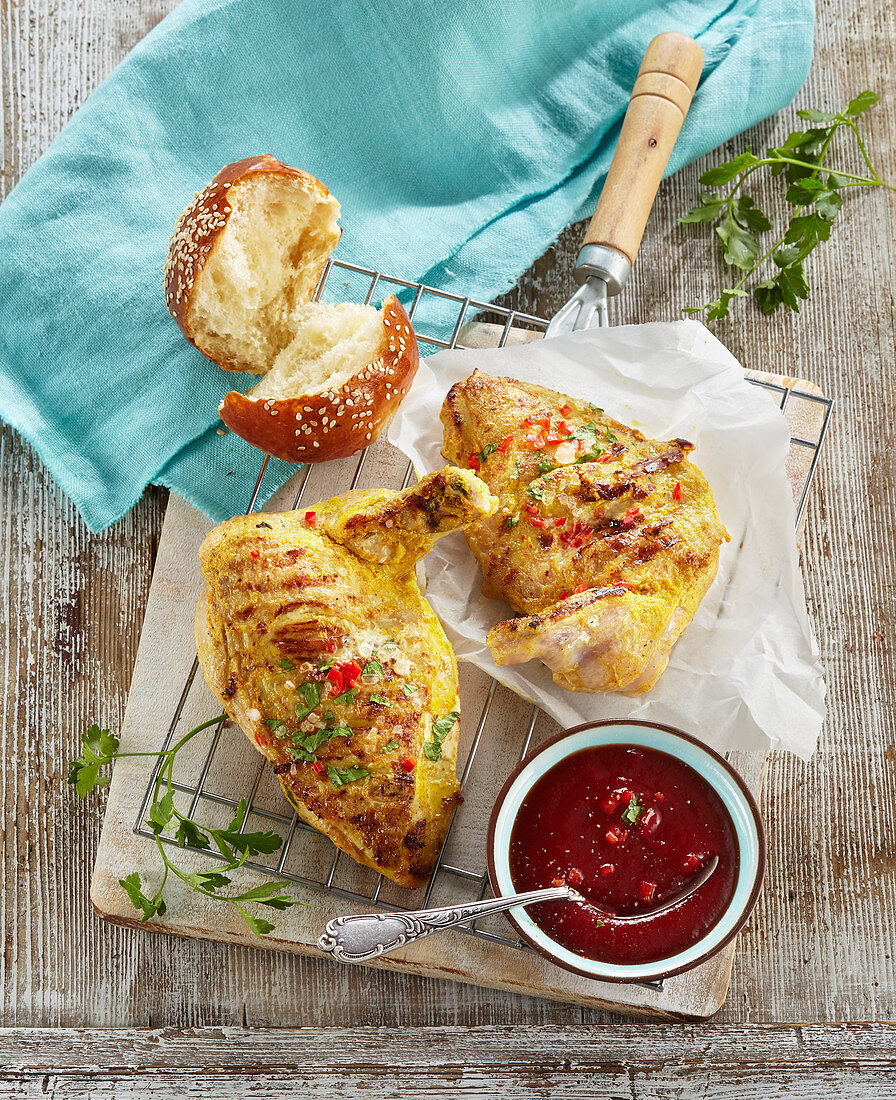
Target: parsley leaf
x=347 y=697
x=390 y=746
x=409 y=689
x=98 y=748
x=149 y=907
x=709 y=209
x=340 y=776
x=488 y=449
x=545 y=466
x=383 y=702
x=441 y=727
x=287 y=665
x=311 y=694
x=258 y=925
x=309 y=743
x=511 y=522
x=609 y=437
x=190 y=835
x=535 y=491
x=372 y=668
x=724 y=173
x=632 y=812
x=861 y=103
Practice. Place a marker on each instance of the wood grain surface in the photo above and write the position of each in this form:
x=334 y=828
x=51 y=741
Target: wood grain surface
x=821 y=944
x=539 y=1063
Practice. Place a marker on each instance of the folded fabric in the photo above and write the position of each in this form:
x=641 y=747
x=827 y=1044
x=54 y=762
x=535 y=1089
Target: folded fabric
x=459 y=138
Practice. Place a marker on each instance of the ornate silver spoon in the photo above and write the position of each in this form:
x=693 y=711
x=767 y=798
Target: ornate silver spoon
x=363 y=937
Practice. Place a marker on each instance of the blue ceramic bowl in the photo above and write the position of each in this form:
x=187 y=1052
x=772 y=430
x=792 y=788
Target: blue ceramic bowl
x=723 y=779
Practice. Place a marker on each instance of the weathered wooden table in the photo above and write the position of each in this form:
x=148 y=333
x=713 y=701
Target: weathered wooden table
x=118 y=1012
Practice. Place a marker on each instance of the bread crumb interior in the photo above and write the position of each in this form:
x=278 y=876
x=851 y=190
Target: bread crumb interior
x=331 y=343
x=263 y=267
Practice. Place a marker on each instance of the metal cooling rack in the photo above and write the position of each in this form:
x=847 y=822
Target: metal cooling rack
x=438 y=318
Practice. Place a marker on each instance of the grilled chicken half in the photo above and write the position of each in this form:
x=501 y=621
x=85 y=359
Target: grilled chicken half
x=604 y=541
x=314 y=635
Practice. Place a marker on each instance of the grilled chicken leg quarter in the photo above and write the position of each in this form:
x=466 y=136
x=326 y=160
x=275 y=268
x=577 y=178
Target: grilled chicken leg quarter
x=604 y=541
x=314 y=635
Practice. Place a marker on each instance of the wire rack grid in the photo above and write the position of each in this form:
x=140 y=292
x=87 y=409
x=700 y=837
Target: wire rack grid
x=439 y=318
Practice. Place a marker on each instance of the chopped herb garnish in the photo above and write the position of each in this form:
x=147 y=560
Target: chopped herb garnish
x=511 y=522
x=608 y=435
x=311 y=693
x=287 y=665
x=409 y=688
x=488 y=449
x=536 y=492
x=327 y=663
x=273 y=724
x=632 y=812
x=390 y=746
x=441 y=727
x=340 y=776
x=545 y=466
x=311 y=742
x=346 y=698
x=301 y=753
x=383 y=702
x=302 y=712
x=265 y=525
x=372 y=668
x=586 y=434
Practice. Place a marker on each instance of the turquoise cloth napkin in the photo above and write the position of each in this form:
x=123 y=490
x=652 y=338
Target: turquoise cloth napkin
x=460 y=138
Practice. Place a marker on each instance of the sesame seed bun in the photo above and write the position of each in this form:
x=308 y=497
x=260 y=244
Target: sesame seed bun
x=243 y=264
x=341 y=420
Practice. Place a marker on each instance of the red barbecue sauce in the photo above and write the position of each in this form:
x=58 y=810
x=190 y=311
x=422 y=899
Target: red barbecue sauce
x=571 y=828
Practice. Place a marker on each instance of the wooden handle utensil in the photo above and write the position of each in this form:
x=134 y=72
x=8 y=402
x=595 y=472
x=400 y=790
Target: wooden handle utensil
x=659 y=102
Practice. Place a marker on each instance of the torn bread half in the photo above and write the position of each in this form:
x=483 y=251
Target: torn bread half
x=243 y=266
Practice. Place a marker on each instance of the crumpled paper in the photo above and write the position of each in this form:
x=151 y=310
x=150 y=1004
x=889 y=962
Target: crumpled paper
x=746 y=672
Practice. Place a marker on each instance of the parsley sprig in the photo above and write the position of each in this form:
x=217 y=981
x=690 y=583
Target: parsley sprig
x=814 y=192
x=99 y=748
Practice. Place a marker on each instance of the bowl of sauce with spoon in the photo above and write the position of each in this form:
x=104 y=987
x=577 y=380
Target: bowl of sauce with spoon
x=658 y=834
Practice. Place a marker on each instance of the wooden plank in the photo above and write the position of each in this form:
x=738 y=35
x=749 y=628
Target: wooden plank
x=821 y=945
x=641 y=1063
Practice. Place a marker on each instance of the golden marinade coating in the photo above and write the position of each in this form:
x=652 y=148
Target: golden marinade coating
x=604 y=541
x=315 y=637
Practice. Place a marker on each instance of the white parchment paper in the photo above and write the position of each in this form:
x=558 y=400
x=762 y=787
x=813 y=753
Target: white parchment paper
x=745 y=673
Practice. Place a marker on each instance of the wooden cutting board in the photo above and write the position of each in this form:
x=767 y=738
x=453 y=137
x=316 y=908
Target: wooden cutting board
x=164 y=660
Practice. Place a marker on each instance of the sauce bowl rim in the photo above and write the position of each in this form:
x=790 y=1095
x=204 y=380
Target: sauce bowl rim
x=659 y=971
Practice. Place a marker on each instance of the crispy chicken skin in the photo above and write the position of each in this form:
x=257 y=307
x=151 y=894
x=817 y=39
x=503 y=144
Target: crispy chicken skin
x=604 y=541
x=314 y=635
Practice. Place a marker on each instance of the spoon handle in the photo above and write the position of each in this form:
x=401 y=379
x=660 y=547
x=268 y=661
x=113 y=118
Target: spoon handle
x=358 y=938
